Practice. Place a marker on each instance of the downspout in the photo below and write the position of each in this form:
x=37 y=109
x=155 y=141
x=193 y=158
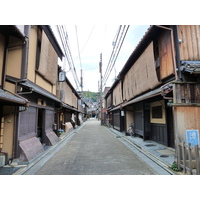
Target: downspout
x=25 y=51
x=4 y=63
x=176 y=41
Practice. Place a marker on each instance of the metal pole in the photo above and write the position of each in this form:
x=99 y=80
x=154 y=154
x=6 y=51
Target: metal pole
x=100 y=70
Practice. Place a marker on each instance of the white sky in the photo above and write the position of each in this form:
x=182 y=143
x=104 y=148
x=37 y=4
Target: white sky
x=100 y=41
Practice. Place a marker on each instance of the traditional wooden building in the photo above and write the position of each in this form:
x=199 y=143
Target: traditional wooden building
x=69 y=110
x=39 y=104
x=12 y=42
x=35 y=79
x=157 y=91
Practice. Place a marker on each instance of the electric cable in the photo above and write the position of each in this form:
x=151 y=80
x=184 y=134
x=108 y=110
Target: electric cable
x=114 y=45
x=117 y=53
x=64 y=38
x=86 y=41
x=81 y=85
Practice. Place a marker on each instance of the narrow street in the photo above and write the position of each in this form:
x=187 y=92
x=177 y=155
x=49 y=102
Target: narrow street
x=93 y=150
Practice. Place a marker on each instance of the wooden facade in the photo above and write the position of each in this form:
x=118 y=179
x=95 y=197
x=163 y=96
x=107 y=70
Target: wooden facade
x=29 y=89
x=189 y=42
x=160 y=85
x=149 y=67
x=11 y=55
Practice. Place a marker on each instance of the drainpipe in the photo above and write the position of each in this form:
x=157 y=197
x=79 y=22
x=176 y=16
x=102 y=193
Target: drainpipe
x=4 y=62
x=25 y=51
x=177 y=50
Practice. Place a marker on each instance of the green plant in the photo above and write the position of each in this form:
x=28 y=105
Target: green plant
x=174 y=167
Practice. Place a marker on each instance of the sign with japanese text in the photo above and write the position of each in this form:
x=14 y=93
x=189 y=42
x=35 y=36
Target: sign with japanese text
x=62 y=76
x=192 y=137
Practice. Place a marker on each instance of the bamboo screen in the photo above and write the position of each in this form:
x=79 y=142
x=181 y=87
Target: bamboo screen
x=68 y=93
x=70 y=97
x=190 y=42
x=74 y=100
x=142 y=75
x=108 y=101
x=117 y=94
x=165 y=54
x=48 y=60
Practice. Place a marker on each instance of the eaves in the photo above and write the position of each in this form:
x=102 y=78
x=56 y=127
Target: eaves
x=7 y=98
x=37 y=89
x=11 y=30
x=64 y=105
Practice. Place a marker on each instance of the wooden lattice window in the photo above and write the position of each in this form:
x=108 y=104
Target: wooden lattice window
x=157 y=112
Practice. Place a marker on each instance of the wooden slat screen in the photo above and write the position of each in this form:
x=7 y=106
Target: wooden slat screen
x=142 y=75
x=117 y=94
x=48 y=66
x=27 y=123
x=74 y=100
x=70 y=97
x=49 y=120
x=116 y=121
x=109 y=101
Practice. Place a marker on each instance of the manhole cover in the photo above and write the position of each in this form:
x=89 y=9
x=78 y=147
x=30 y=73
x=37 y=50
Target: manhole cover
x=150 y=145
x=164 y=156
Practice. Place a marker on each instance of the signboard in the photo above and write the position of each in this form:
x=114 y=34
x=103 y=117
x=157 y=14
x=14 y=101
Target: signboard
x=192 y=137
x=61 y=77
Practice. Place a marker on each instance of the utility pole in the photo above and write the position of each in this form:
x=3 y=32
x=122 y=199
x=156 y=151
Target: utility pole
x=100 y=71
x=81 y=81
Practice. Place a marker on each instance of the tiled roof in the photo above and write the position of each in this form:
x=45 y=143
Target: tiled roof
x=9 y=98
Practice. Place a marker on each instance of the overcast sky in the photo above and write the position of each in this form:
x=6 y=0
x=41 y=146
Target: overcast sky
x=94 y=40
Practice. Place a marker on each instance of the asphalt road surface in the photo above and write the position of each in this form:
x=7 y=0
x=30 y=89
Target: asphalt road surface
x=93 y=150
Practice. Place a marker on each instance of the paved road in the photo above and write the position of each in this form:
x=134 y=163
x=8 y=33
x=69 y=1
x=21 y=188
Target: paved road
x=93 y=150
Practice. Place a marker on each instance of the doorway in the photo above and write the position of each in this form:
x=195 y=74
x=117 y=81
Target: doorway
x=40 y=125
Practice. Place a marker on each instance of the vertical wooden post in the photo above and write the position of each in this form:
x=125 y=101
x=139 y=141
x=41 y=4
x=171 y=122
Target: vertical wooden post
x=178 y=155
x=190 y=157
x=197 y=159
x=184 y=157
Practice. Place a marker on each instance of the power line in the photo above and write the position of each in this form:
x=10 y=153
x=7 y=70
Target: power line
x=104 y=39
x=86 y=41
x=79 y=58
x=115 y=52
x=64 y=39
x=114 y=45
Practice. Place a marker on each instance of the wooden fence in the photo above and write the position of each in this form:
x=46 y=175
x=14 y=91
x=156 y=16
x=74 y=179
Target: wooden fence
x=188 y=158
